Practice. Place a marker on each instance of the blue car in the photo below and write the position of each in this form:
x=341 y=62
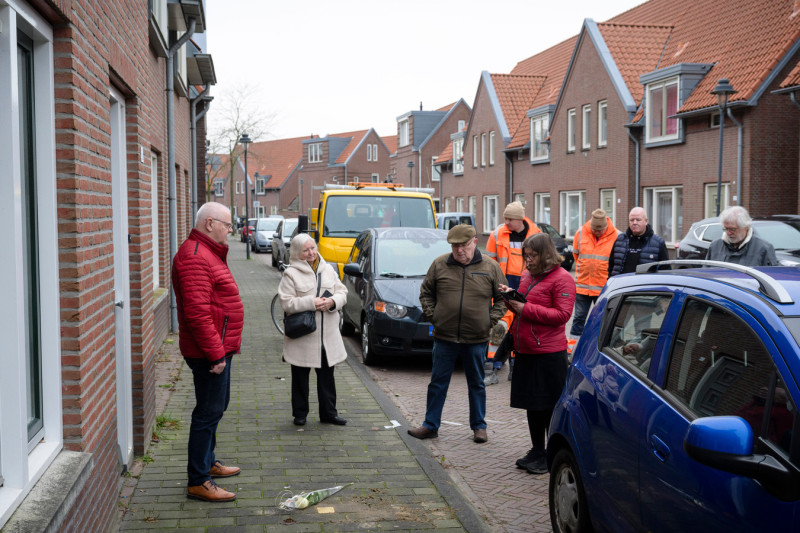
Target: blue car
x=680 y=409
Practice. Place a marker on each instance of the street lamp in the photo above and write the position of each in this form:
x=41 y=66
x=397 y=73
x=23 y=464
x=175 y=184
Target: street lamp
x=410 y=173
x=723 y=90
x=245 y=140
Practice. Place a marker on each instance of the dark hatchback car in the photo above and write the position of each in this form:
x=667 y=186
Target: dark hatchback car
x=384 y=272
x=782 y=231
x=563 y=245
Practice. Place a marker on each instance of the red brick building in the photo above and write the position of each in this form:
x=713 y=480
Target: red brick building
x=89 y=168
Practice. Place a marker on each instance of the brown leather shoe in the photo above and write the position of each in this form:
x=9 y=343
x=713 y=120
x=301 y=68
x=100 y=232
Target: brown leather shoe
x=209 y=492
x=220 y=470
x=423 y=433
x=479 y=435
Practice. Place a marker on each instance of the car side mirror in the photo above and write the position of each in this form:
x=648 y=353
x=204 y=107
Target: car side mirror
x=726 y=443
x=276 y=235
x=352 y=269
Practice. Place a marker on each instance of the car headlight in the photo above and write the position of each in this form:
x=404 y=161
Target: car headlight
x=788 y=263
x=393 y=310
x=568 y=248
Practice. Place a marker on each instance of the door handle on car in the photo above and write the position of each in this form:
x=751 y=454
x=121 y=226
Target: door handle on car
x=659 y=448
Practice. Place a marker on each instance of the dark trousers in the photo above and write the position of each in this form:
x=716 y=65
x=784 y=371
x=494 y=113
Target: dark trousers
x=582 y=304
x=326 y=390
x=212 y=394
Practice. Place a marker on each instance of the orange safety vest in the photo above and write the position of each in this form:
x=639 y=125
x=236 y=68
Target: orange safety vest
x=591 y=258
x=498 y=247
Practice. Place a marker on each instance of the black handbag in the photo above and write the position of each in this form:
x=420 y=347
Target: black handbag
x=300 y=324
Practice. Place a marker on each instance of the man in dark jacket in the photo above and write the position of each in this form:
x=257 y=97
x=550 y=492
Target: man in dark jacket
x=637 y=246
x=210 y=318
x=461 y=297
x=738 y=244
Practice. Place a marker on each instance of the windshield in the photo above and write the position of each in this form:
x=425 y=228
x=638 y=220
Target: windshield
x=268 y=224
x=407 y=257
x=781 y=235
x=347 y=216
x=288 y=227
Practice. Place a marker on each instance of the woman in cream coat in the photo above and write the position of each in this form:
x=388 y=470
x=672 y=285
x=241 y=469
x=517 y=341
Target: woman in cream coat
x=323 y=348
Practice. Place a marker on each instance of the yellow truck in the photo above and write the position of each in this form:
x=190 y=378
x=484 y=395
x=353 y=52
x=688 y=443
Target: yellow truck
x=344 y=211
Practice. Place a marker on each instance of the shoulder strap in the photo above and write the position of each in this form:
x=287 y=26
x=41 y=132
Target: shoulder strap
x=319 y=282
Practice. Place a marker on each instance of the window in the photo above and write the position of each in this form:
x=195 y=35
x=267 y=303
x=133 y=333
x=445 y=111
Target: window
x=714 y=120
x=608 y=202
x=602 y=123
x=490 y=213
x=31 y=425
x=473 y=205
x=403 y=133
x=259 y=185
x=369 y=152
x=520 y=197
x=572 y=210
x=483 y=149
x=539 y=131
x=236 y=184
x=571 y=130
x=447 y=205
x=458 y=156
x=719 y=366
x=273 y=210
x=541 y=207
x=632 y=336
x=375 y=152
x=461 y=124
x=474 y=151
x=662 y=102
x=711 y=199
x=491 y=148
x=376 y=177
x=218 y=188
x=586 y=123
x=436 y=170
x=159 y=14
x=460 y=204
x=664 y=206
x=154 y=213
x=315 y=153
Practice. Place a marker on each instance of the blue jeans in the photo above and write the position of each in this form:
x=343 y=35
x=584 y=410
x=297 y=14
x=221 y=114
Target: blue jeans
x=212 y=393
x=581 y=311
x=444 y=360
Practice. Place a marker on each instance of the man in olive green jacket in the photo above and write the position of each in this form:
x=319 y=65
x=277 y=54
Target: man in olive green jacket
x=461 y=297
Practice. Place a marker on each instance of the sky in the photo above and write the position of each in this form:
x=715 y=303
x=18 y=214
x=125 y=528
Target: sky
x=332 y=66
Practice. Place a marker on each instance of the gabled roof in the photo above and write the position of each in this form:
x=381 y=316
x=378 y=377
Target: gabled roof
x=793 y=79
x=355 y=140
x=446 y=156
x=449 y=111
x=511 y=96
x=274 y=159
x=391 y=143
x=551 y=63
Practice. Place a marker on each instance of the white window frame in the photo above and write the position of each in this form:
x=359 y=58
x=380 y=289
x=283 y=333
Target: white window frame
x=571 y=130
x=662 y=86
x=473 y=205
x=24 y=459
x=403 y=133
x=369 y=153
x=436 y=170
x=374 y=153
x=491 y=215
x=586 y=130
x=474 y=151
x=540 y=151
x=491 y=148
x=520 y=197
x=483 y=149
x=602 y=124
x=611 y=207
x=570 y=225
x=154 y=214
x=460 y=204
x=219 y=188
x=159 y=13
x=541 y=207
x=711 y=198
x=260 y=186
x=458 y=156
x=315 y=153
x=446 y=205
x=461 y=124
x=674 y=231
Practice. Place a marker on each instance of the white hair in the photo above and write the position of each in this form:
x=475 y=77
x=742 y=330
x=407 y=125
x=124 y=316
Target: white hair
x=298 y=243
x=209 y=210
x=737 y=214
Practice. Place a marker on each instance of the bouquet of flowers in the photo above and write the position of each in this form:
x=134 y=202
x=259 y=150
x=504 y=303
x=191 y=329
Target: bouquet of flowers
x=289 y=502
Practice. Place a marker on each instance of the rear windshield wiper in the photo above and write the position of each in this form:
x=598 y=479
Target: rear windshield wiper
x=391 y=275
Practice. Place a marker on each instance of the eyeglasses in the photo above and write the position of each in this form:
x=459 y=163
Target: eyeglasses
x=531 y=256
x=228 y=225
x=729 y=229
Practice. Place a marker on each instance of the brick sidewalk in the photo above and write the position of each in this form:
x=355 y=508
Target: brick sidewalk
x=393 y=488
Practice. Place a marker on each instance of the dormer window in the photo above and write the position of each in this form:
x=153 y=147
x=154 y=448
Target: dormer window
x=403 y=133
x=218 y=191
x=662 y=103
x=315 y=153
x=539 y=130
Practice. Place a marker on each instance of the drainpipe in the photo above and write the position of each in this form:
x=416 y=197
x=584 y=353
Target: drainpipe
x=793 y=98
x=739 y=151
x=193 y=129
x=419 y=166
x=173 y=185
x=636 y=164
x=510 y=177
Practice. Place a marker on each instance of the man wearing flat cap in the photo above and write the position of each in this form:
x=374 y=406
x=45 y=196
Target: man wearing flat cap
x=460 y=296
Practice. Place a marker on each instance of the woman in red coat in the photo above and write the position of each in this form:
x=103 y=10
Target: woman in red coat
x=540 y=341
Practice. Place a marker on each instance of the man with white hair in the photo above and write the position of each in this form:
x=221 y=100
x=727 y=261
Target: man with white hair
x=738 y=244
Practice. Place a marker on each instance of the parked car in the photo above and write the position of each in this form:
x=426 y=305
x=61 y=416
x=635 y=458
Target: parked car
x=383 y=275
x=563 y=245
x=447 y=220
x=247 y=229
x=265 y=228
x=782 y=231
x=680 y=407
x=281 y=239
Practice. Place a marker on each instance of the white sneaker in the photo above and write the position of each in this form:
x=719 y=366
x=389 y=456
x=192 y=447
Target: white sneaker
x=491 y=378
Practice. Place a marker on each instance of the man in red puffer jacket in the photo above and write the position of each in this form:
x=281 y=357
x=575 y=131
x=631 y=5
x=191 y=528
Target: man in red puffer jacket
x=210 y=318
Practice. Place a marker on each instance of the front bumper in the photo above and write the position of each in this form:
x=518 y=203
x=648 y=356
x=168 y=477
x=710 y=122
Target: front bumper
x=400 y=337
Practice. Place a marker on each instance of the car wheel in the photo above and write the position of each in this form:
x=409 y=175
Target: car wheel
x=568 y=511
x=345 y=328
x=367 y=352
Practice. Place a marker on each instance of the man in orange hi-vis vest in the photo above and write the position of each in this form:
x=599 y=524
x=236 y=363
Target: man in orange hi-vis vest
x=592 y=248
x=505 y=247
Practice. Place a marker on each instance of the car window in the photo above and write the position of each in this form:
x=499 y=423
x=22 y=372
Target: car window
x=355 y=253
x=711 y=232
x=779 y=234
x=268 y=224
x=719 y=366
x=550 y=230
x=408 y=257
x=288 y=227
x=634 y=331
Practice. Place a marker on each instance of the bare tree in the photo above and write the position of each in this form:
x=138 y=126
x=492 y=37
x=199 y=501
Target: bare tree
x=237 y=112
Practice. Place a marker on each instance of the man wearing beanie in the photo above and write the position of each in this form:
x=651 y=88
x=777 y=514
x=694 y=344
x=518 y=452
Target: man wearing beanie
x=505 y=247
x=592 y=248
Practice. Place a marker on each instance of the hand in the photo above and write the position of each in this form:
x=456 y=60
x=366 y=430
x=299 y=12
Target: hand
x=515 y=306
x=323 y=304
x=503 y=288
x=630 y=348
x=218 y=367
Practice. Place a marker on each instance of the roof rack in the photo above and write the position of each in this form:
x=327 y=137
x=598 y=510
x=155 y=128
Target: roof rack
x=767 y=285
x=355 y=185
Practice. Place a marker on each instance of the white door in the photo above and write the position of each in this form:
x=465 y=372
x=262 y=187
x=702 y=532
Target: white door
x=122 y=313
